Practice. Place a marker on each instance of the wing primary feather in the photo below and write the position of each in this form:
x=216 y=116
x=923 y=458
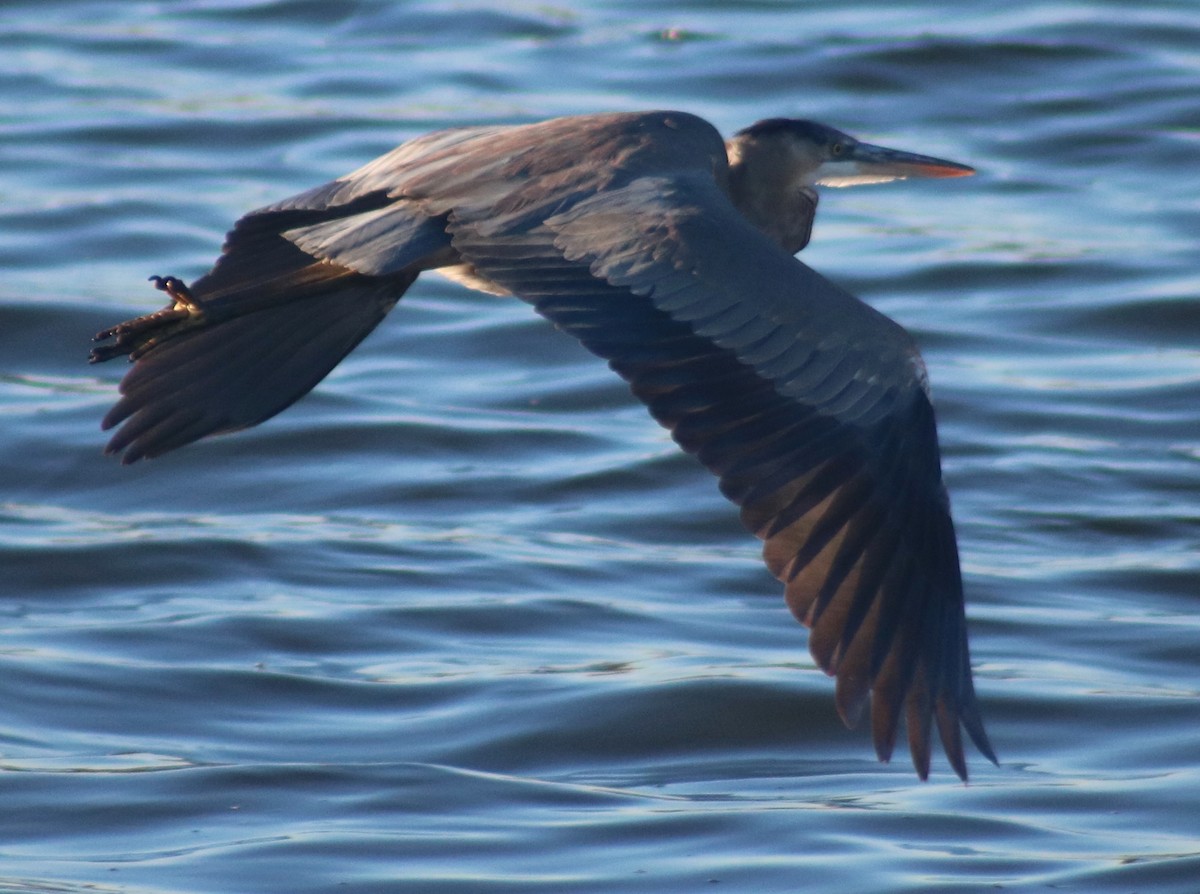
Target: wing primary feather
x=917 y=719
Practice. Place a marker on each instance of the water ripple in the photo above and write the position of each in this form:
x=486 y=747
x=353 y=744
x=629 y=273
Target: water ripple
x=465 y=620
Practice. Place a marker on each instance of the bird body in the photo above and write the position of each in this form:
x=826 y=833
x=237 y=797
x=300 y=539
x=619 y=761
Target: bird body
x=668 y=252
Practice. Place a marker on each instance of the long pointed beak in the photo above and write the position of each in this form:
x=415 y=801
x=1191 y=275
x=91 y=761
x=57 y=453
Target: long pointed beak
x=864 y=163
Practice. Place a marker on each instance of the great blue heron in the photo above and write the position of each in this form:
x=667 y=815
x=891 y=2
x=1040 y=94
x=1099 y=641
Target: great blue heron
x=668 y=252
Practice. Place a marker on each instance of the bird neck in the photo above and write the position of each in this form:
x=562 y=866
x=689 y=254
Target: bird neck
x=783 y=210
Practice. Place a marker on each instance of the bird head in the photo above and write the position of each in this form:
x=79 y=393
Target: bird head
x=806 y=154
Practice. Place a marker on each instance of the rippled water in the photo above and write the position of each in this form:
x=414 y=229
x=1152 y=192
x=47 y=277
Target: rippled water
x=464 y=619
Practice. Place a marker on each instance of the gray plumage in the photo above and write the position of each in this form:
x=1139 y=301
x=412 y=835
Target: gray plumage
x=668 y=252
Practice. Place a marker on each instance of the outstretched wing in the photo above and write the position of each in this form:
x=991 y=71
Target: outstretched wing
x=809 y=405
x=267 y=323
x=297 y=286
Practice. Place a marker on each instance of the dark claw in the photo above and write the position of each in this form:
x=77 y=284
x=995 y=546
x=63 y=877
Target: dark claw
x=175 y=288
x=102 y=353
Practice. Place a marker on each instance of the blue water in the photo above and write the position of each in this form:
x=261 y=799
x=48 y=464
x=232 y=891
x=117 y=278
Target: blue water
x=464 y=620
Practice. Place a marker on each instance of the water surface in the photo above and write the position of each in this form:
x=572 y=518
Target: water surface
x=465 y=620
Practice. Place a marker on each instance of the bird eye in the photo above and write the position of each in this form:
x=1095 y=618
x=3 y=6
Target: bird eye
x=837 y=149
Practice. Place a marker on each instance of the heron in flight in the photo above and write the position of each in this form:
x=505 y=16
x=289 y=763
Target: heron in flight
x=669 y=252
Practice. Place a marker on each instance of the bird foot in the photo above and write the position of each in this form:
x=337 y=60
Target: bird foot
x=137 y=336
